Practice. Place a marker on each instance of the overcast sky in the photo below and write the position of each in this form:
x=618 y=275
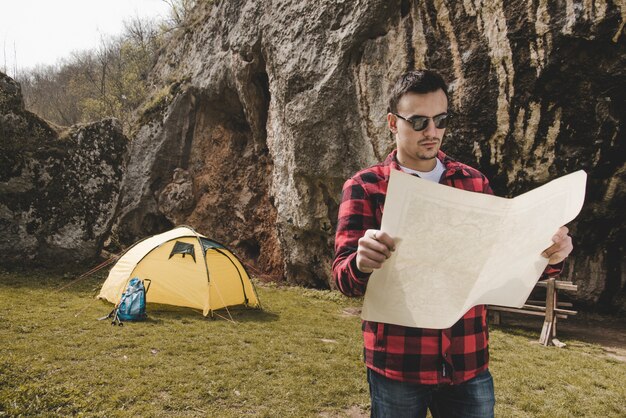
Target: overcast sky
x=36 y=32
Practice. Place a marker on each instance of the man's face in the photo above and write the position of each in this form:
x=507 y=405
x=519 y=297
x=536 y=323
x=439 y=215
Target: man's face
x=418 y=149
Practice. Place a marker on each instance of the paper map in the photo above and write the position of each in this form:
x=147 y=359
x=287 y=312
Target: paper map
x=456 y=249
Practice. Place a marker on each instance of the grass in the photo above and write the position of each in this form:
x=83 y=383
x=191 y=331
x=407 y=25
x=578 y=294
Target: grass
x=299 y=357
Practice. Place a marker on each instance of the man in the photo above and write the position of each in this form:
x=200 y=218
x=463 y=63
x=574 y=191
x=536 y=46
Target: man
x=411 y=370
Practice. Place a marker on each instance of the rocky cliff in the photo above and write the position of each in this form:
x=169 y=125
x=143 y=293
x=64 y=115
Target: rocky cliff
x=58 y=191
x=268 y=106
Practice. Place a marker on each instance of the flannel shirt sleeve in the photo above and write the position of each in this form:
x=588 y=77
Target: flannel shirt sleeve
x=356 y=215
x=552 y=270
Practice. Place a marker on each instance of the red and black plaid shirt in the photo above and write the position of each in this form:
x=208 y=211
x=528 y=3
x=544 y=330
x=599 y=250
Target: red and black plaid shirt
x=418 y=355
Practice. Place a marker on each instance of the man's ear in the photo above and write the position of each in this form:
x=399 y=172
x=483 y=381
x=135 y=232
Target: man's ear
x=392 y=120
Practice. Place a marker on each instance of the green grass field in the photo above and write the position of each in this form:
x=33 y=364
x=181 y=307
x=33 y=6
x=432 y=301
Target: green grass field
x=299 y=357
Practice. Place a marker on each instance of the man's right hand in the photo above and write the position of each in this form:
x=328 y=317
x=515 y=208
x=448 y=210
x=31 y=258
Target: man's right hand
x=374 y=249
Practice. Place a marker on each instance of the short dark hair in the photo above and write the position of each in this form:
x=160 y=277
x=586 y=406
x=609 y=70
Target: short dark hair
x=416 y=81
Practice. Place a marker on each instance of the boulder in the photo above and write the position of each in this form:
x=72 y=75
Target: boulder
x=58 y=190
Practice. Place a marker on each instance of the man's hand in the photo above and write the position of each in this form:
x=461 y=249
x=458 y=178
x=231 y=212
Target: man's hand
x=561 y=248
x=374 y=249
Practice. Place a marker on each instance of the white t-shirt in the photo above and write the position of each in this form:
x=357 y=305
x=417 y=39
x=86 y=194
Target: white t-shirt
x=432 y=175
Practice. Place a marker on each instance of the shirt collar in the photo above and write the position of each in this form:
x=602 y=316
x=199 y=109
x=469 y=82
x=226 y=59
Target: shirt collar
x=451 y=165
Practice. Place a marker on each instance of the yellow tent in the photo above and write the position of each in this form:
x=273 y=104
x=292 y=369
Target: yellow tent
x=185 y=269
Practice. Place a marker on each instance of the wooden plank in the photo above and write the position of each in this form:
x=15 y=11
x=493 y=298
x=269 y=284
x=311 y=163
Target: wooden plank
x=543 y=309
x=520 y=311
x=567 y=286
x=536 y=302
x=543 y=303
x=550 y=319
x=545 y=332
x=514 y=310
x=555 y=318
x=550 y=299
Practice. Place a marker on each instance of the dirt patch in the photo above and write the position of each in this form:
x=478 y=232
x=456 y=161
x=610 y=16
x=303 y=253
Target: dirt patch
x=608 y=332
x=351 y=311
x=352 y=412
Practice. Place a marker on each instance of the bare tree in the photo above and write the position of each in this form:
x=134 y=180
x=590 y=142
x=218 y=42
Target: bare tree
x=179 y=11
x=110 y=80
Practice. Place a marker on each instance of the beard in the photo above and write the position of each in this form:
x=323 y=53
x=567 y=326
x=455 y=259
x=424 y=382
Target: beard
x=428 y=148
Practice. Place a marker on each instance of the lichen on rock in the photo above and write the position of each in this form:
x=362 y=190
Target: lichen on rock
x=58 y=192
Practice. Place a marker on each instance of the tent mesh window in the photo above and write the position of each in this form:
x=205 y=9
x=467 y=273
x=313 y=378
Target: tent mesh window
x=183 y=248
x=207 y=244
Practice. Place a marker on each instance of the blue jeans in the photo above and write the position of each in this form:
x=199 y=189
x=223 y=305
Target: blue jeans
x=393 y=399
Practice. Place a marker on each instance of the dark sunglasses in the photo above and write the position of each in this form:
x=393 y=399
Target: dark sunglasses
x=420 y=123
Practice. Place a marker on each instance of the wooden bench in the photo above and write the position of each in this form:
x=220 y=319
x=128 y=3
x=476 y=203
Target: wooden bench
x=551 y=309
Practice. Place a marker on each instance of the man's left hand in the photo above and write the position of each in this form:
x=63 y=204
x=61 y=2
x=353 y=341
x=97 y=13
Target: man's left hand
x=561 y=248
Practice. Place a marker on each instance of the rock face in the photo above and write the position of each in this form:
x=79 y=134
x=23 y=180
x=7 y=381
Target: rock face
x=58 y=192
x=268 y=106
x=199 y=163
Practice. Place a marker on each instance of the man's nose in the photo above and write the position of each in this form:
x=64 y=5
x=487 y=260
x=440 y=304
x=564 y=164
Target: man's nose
x=431 y=129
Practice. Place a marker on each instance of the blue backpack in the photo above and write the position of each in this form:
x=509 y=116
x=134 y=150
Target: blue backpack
x=132 y=305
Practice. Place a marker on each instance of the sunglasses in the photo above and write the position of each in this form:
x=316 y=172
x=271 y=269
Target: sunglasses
x=420 y=123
